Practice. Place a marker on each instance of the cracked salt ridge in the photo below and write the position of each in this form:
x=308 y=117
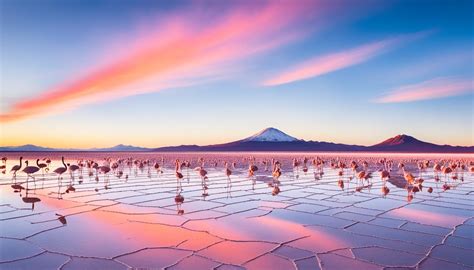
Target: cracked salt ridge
x=44 y=260
x=15 y=249
x=345 y=206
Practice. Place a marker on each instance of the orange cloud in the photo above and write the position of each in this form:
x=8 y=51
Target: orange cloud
x=336 y=61
x=185 y=48
x=436 y=88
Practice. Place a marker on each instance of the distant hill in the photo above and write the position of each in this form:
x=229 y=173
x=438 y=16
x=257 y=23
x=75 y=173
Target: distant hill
x=35 y=148
x=272 y=139
x=406 y=143
x=121 y=148
x=27 y=148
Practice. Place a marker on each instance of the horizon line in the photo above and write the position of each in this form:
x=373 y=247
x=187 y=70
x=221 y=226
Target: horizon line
x=72 y=148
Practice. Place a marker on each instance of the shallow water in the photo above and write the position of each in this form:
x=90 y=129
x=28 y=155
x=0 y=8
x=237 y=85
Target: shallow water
x=311 y=223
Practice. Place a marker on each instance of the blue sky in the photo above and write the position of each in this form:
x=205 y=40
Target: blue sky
x=349 y=71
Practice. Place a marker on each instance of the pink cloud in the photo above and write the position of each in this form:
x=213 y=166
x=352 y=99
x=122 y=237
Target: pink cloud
x=427 y=217
x=335 y=61
x=431 y=89
x=183 y=50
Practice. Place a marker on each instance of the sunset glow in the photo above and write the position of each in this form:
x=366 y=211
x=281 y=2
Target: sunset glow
x=206 y=73
x=436 y=88
x=159 y=64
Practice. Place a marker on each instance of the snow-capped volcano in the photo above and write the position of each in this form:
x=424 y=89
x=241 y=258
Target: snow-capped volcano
x=270 y=135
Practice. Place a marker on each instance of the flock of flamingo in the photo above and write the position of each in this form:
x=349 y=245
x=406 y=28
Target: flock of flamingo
x=360 y=170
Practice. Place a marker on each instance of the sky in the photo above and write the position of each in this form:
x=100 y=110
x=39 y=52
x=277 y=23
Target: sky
x=83 y=73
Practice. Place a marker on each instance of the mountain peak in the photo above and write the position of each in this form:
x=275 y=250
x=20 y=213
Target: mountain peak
x=399 y=140
x=270 y=134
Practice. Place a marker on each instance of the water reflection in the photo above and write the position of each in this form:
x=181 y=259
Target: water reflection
x=17 y=188
x=276 y=187
x=31 y=200
x=62 y=219
x=27 y=198
x=179 y=200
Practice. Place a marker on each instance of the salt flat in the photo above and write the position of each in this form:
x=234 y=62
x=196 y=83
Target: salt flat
x=300 y=220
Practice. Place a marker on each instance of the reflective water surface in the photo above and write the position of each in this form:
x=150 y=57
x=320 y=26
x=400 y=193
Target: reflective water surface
x=237 y=210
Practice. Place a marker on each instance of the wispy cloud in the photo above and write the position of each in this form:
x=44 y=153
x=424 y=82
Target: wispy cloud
x=335 y=61
x=184 y=50
x=431 y=89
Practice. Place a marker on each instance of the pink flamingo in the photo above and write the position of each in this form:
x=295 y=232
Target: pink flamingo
x=41 y=166
x=228 y=173
x=16 y=168
x=3 y=167
x=29 y=170
x=105 y=169
x=384 y=175
x=179 y=175
x=59 y=171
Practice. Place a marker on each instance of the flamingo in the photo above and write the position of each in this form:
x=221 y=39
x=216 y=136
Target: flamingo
x=3 y=167
x=157 y=168
x=436 y=169
x=41 y=166
x=48 y=161
x=296 y=165
x=354 y=167
x=421 y=167
x=72 y=169
x=179 y=175
x=341 y=166
x=16 y=168
x=361 y=176
x=408 y=176
x=81 y=168
x=105 y=169
x=365 y=164
x=276 y=170
x=95 y=166
x=29 y=170
x=202 y=173
x=265 y=164
x=447 y=170
x=252 y=169
x=340 y=183
x=228 y=173
x=384 y=175
x=59 y=171
x=187 y=165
